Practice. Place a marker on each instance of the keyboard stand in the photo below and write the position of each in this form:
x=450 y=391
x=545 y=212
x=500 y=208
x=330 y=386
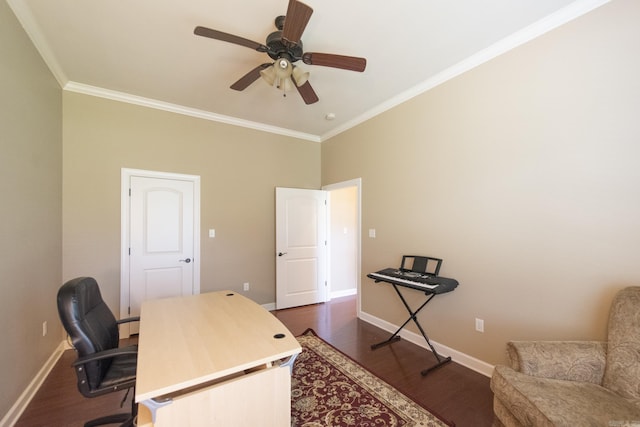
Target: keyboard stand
x=413 y=316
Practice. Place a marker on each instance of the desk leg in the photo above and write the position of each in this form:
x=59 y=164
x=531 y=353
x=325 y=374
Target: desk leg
x=413 y=316
x=289 y=362
x=153 y=405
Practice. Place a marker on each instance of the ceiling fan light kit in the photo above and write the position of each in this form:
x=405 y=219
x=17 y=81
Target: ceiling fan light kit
x=285 y=48
x=300 y=77
x=283 y=75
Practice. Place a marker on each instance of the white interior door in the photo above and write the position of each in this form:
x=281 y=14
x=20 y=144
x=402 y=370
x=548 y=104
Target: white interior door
x=161 y=245
x=301 y=247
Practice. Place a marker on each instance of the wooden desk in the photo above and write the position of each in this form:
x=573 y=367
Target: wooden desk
x=213 y=359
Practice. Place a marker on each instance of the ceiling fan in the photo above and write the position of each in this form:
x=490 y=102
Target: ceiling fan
x=285 y=48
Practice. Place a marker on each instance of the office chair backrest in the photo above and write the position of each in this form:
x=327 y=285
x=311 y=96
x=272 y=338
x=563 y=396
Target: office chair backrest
x=89 y=323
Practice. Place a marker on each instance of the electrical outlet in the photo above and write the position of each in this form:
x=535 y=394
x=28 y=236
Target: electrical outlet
x=246 y=286
x=479 y=325
x=44 y=328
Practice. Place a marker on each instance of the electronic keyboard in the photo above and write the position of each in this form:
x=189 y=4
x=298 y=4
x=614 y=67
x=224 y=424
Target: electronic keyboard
x=414 y=280
x=402 y=279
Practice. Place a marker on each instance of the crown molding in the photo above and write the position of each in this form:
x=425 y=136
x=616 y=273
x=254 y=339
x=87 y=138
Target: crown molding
x=25 y=17
x=180 y=109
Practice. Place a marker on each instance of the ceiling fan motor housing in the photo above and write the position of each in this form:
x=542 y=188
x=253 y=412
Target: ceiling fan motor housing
x=279 y=22
x=278 y=48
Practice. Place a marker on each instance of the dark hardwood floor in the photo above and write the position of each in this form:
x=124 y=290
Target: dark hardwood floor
x=454 y=392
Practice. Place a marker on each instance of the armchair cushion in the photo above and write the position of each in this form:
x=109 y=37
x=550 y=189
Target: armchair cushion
x=535 y=401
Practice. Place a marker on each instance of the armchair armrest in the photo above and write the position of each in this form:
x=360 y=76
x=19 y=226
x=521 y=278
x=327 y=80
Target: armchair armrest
x=564 y=360
x=107 y=354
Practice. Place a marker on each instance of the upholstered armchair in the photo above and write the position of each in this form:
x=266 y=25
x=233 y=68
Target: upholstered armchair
x=575 y=383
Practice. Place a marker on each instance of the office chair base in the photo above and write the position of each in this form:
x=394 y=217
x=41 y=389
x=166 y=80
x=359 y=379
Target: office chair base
x=126 y=420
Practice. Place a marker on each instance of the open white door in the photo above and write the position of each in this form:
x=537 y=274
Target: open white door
x=301 y=247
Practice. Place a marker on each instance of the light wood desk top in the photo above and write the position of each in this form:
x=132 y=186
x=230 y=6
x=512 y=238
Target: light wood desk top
x=189 y=341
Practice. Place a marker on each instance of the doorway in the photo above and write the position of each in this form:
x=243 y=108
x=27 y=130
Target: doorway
x=345 y=225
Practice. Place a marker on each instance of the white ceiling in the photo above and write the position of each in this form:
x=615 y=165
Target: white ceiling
x=145 y=52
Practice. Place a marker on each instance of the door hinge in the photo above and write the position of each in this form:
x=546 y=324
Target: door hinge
x=129 y=251
x=325 y=283
x=129 y=192
x=129 y=310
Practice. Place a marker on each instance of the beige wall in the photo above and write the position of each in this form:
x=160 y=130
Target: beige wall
x=30 y=211
x=239 y=170
x=523 y=175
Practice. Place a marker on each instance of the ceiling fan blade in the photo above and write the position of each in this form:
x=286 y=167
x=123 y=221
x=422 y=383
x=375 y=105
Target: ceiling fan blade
x=296 y=20
x=307 y=93
x=230 y=38
x=336 y=61
x=249 y=78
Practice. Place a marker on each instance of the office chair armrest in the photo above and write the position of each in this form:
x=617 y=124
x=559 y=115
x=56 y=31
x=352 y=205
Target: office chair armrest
x=128 y=319
x=107 y=354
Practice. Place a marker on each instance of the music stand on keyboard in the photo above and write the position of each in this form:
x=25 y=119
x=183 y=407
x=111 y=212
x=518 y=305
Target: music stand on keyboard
x=422 y=276
x=420 y=264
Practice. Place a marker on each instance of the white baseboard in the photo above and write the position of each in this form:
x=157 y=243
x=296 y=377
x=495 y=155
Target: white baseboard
x=21 y=404
x=417 y=339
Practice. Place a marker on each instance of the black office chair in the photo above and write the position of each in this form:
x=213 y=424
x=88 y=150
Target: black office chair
x=101 y=366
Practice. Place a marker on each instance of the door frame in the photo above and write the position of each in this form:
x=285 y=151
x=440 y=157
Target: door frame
x=125 y=201
x=357 y=182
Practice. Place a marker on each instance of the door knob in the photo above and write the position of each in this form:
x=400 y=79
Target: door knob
x=281 y=253
x=188 y=260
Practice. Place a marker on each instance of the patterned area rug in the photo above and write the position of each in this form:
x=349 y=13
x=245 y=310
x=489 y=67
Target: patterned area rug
x=330 y=389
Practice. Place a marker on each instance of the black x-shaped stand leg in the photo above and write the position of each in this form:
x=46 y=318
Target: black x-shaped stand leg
x=413 y=316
